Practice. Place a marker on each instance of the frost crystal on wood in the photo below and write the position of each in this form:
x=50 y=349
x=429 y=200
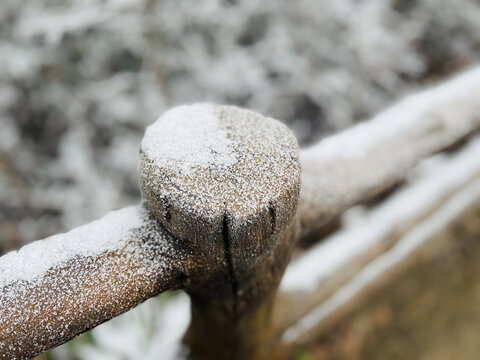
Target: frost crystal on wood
x=59 y=287
x=244 y=195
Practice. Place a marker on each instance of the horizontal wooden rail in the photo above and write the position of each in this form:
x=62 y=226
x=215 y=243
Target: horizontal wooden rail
x=220 y=219
x=57 y=288
x=316 y=276
x=411 y=247
x=369 y=158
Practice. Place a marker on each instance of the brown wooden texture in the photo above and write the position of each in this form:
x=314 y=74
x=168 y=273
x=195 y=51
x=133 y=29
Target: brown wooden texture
x=224 y=220
x=86 y=290
x=235 y=211
x=369 y=158
x=425 y=309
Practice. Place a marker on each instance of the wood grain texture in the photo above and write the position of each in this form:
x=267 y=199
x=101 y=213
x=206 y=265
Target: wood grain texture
x=369 y=158
x=222 y=222
x=235 y=209
x=84 y=291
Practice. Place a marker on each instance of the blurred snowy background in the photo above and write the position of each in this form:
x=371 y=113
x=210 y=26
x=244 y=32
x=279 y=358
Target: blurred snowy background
x=81 y=79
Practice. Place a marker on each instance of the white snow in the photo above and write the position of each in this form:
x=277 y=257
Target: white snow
x=437 y=177
x=347 y=168
x=33 y=260
x=415 y=238
x=189 y=137
x=54 y=288
x=413 y=112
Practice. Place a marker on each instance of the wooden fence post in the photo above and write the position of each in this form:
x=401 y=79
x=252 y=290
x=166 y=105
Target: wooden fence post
x=225 y=181
x=219 y=219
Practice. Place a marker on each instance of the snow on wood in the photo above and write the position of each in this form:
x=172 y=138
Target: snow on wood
x=190 y=137
x=225 y=179
x=385 y=263
x=436 y=179
x=34 y=260
x=368 y=158
x=59 y=287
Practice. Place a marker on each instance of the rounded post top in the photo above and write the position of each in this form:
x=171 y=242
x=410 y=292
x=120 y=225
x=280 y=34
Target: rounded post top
x=206 y=169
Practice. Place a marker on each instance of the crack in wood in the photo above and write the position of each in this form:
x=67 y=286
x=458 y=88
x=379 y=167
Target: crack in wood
x=273 y=218
x=228 y=256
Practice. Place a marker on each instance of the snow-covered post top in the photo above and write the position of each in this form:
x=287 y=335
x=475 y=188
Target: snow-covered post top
x=225 y=182
x=220 y=188
x=224 y=179
x=206 y=167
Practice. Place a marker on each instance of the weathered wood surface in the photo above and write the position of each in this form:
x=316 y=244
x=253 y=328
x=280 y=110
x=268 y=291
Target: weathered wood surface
x=232 y=201
x=424 y=307
x=316 y=275
x=227 y=185
x=218 y=224
x=57 y=288
x=226 y=209
x=369 y=158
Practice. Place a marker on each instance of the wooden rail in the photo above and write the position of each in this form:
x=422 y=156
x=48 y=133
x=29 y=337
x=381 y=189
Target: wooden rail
x=225 y=203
